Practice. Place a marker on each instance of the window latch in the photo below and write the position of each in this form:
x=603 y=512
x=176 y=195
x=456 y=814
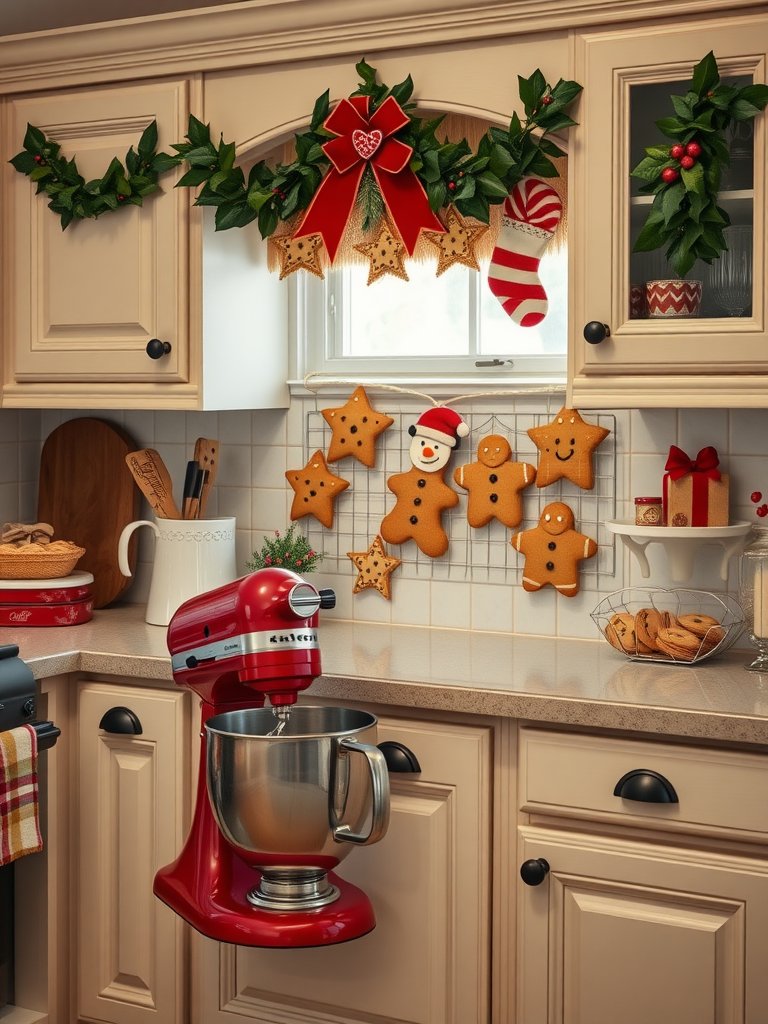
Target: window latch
x=493 y=362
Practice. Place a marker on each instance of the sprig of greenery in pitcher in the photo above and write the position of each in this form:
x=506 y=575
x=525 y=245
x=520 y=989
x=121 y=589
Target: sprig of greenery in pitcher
x=684 y=177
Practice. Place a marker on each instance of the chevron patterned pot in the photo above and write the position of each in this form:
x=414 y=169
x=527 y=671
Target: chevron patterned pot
x=673 y=298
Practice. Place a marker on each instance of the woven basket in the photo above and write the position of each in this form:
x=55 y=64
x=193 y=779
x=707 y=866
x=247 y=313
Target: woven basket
x=39 y=565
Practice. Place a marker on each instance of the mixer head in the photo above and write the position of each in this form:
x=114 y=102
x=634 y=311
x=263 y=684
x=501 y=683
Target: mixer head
x=251 y=639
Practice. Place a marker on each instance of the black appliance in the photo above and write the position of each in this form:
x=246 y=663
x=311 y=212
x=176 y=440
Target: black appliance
x=18 y=706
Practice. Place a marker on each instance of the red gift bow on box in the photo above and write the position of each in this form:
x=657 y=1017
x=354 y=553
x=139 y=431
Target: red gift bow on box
x=367 y=141
x=679 y=465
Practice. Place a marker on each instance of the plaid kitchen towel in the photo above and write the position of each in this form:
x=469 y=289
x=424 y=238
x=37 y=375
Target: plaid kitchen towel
x=19 y=816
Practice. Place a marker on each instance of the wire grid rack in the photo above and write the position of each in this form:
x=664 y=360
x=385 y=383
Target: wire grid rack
x=481 y=555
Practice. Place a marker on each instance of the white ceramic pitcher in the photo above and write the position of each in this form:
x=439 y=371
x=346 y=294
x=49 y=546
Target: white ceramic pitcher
x=191 y=556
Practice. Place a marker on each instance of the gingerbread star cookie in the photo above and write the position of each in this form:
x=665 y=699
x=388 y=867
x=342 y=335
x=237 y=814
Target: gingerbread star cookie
x=355 y=426
x=553 y=550
x=457 y=242
x=298 y=254
x=316 y=490
x=385 y=253
x=374 y=568
x=565 y=448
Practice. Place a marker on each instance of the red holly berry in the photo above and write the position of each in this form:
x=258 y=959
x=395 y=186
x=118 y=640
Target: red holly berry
x=38 y=159
x=451 y=186
x=687 y=162
x=693 y=149
x=756 y=496
x=677 y=151
x=546 y=100
x=763 y=511
x=669 y=174
x=121 y=199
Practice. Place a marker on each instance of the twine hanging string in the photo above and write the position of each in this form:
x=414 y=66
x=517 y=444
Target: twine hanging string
x=317 y=382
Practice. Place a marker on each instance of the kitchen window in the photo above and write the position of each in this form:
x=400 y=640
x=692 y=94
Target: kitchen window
x=433 y=328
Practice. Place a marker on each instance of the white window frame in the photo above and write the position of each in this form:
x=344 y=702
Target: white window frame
x=317 y=309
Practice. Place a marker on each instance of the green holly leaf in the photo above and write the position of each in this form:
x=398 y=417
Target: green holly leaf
x=757 y=95
x=162 y=162
x=199 y=134
x=476 y=206
x=34 y=140
x=693 y=179
x=705 y=75
x=194 y=176
x=491 y=187
x=226 y=155
x=403 y=91
x=437 y=194
x=24 y=162
x=651 y=234
x=148 y=141
x=650 y=168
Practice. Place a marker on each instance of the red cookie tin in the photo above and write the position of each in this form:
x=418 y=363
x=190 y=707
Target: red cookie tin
x=23 y=615
x=63 y=590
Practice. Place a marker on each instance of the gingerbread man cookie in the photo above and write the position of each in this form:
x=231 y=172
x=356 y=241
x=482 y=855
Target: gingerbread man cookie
x=494 y=483
x=422 y=494
x=316 y=490
x=553 y=550
x=565 y=449
x=355 y=427
x=374 y=568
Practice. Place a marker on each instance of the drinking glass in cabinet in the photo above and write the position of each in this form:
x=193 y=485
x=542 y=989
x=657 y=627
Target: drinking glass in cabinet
x=730 y=277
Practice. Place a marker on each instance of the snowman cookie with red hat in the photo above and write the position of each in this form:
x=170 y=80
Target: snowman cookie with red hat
x=422 y=494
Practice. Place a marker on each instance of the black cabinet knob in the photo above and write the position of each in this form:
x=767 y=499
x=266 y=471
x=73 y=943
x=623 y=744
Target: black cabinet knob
x=533 y=872
x=121 y=720
x=156 y=349
x=595 y=332
x=398 y=757
x=645 y=785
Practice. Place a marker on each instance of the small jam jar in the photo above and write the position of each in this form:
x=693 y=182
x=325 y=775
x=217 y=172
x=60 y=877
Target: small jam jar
x=648 y=512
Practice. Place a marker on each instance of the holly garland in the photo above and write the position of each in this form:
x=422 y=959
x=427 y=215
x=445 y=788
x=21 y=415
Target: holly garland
x=71 y=196
x=387 y=143
x=450 y=172
x=684 y=178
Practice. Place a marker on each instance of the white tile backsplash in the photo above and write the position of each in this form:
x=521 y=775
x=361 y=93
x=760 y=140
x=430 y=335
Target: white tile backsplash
x=257 y=447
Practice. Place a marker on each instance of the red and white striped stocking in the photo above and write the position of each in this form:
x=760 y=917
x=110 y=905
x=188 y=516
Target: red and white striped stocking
x=532 y=211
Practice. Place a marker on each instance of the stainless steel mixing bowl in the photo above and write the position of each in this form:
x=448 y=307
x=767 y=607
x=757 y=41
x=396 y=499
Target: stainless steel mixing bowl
x=301 y=797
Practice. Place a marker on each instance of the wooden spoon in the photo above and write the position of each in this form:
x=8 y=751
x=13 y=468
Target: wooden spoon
x=207 y=457
x=154 y=481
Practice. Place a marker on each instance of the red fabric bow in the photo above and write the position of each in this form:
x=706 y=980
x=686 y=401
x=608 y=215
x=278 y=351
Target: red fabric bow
x=706 y=462
x=361 y=141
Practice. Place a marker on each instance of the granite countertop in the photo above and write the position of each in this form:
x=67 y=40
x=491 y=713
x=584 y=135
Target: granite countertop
x=578 y=682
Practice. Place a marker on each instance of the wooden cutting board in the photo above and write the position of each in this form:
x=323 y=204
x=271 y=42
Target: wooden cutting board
x=87 y=494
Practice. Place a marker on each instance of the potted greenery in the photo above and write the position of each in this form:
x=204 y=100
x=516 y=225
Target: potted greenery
x=290 y=550
x=684 y=179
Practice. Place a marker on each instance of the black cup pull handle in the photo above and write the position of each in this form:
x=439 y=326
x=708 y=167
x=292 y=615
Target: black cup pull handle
x=156 y=349
x=533 y=872
x=121 y=720
x=595 y=332
x=399 y=758
x=647 y=786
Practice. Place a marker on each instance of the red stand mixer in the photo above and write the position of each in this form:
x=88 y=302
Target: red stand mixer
x=283 y=791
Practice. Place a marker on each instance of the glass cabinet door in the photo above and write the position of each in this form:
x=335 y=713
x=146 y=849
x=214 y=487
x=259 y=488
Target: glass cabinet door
x=715 y=353
x=724 y=287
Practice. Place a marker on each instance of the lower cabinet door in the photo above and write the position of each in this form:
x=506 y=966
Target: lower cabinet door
x=427 y=960
x=640 y=933
x=132 y=803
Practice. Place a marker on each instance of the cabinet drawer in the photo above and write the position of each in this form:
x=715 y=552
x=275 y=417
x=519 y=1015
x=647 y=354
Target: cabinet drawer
x=575 y=775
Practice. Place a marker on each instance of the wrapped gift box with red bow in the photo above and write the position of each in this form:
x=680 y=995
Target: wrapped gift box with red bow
x=695 y=492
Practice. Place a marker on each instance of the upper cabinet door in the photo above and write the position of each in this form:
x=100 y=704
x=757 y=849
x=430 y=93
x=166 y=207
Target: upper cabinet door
x=717 y=355
x=83 y=303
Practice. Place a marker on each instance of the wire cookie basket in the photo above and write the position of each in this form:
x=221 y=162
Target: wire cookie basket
x=474 y=554
x=670 y=626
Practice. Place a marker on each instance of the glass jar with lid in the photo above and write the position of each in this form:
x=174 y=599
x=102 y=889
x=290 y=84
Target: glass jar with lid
x=753 y=594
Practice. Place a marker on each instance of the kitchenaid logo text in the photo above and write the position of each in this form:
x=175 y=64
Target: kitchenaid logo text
x=293 y=638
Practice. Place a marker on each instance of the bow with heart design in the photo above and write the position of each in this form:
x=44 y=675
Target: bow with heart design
x=367 y=140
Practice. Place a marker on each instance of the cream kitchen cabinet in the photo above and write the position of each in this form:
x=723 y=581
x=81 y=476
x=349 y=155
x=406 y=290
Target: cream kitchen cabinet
x=649 y=905
x=129 y=311
x=427 y=960
x=133 y=793
x=714 y=359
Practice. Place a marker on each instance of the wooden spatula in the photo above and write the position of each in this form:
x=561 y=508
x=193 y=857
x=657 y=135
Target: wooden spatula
x=207 y=457
x=154 y=481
